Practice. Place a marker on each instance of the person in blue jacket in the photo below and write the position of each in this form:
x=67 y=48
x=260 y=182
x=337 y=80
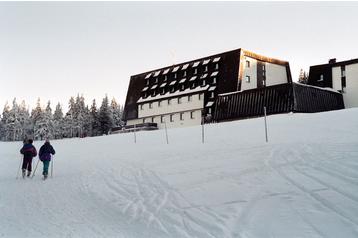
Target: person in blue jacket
x=45 y=153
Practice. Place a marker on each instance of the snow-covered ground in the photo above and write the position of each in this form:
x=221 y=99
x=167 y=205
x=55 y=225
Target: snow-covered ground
x=303 y=183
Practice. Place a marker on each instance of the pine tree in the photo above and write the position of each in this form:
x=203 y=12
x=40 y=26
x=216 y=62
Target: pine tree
x=94 y=120
x=58 y=122
x=105 y=117
x=117 y=113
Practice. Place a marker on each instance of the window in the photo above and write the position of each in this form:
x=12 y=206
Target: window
x=156 y=80
x=192 y=115
x=206 y=68
x=192 y=85
x=152 y=119
x=165 y=78
x=145 y=95
x=169 y=101
x=195 y=71
x=182 y=87
x=214 y=80
x=201 y=96
x=141 y=106
x=189 y=98
x=179 y=100
x=162 y=119
x=163 y=91
x=150 y=105
x=175 y=75
x=247 y=78
x=263 y=67
x=216 y=66
x=343 y=71
x=143 y=120
x=247 y=64
x=159 y=102
x=212 y=95
x=147 y=82
x=153 y=93
x=171 y=117
x=184 y=74
x=182 y=116
x=321 y=77
x=209 y=110
x=203 y=84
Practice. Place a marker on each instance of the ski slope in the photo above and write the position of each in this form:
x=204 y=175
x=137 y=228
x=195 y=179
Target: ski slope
x=303 y=183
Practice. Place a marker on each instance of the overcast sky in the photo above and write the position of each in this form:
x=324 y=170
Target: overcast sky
x=54 y=50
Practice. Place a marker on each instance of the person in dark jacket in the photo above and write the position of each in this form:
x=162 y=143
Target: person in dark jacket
x=45 y=153
x=29 y=152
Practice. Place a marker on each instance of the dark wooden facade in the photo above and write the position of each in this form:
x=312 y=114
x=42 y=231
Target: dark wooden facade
x=282 y=98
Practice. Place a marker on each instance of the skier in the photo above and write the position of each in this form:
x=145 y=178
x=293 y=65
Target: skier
x=29 y=151
x=45 y=156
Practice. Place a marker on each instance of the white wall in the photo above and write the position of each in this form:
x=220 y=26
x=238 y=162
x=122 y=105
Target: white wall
x=164 y=108
x=336 y=78
x=251 y=71
x=275 y=74
x=351 y=92
x=154 y=114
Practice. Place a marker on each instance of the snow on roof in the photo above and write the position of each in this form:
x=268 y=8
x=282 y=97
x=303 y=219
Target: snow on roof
x=182 y=80
x=212 y=88
x=148 y=75
x=214 y=73
x=185 y=66
x=176 y=69
x=145 y=89
x=166 y=71
x=175 y=94
x=206 y=61
x=156 y=73
x=196 y=64
x=311 y=86
x=217 y=59
x=204 y=76
x=193 y=78
x=209 y=104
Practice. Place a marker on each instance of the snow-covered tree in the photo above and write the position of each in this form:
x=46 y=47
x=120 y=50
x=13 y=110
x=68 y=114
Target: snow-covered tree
x=94 y=120
x=117 y=113
x=105 y=116
x=303 y=77
x=58 y=122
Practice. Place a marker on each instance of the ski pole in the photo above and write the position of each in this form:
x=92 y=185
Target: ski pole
x=52 y=166
x=33 y=175
x=17 y=175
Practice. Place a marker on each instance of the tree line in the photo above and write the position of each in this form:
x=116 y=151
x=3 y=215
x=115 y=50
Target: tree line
x=17 y=123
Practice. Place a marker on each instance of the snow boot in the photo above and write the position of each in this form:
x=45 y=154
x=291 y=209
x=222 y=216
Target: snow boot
x=28 y=173
x=23 y=173
x=45 y=176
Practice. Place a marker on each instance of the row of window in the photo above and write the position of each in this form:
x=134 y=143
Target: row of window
x=173 y=88
x=248 y=64
x=171 y=117
x=179 y=100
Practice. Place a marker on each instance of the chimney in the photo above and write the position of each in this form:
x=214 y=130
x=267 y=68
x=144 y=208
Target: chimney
x=332 y=61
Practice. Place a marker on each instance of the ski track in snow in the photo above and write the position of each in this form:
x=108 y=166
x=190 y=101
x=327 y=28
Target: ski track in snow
x=304 y=185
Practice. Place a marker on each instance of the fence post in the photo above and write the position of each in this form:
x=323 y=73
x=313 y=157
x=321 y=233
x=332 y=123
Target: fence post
x=202 y=128
x=166 y=131
x=265 y=124
x=135 y=136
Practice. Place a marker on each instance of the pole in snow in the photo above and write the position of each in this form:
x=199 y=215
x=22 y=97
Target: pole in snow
x=52 y=166
x=202 y=129
x=135 y=136
x=33 y=175
x=166 y=131
x=265 y=124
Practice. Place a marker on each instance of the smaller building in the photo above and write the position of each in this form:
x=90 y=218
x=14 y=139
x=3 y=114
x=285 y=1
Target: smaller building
x=341 y=76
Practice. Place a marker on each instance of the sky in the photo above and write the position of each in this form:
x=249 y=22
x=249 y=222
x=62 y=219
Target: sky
x=55 y=50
